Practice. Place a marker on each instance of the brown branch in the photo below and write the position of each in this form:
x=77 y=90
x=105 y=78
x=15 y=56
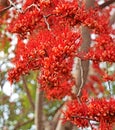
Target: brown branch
x=112 y=19
x=81 y=77
x=57 y=113
x=22 y=124
x=46 y=22
x=107 y=3
x=56 y=117
x=60 y=125
x=83 y=117
x=82 y=66
x=5 y=9
x=28 y=93
x=39 y=109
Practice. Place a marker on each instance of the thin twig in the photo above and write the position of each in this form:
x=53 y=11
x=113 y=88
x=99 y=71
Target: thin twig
x=22 y=124
x=107 y=3
x=82 y=80
x=13 y=4
x=91 y=125
x=108 y=82
x=49 y=15
x=82 y=117
x=30 y=6
x=45 y=20
x=28 y=93
x=56 y=116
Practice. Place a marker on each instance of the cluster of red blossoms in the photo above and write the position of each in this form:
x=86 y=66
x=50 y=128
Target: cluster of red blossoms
x=26 y=22
x=51 y=48
x=96 y=82
x=65 y=11
x=99 y=114
x=103 y=50
x=51 y=52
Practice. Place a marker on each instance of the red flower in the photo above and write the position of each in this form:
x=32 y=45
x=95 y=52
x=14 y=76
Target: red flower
x=51 y=52
x=98 y=110
x=26 y=22
x=103 y=50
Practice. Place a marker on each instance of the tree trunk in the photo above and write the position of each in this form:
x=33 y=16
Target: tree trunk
x=82 y=66
x=39 y=109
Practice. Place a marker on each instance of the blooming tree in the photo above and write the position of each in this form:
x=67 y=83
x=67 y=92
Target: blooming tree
x=71 y=44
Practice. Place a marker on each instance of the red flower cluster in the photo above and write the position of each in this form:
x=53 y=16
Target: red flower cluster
x=68 y=11
x=57 y=64
x=103 y=72
x=100 y=111
x=52 y=47
x=72 y=12
x=95 y=85
x=103 y=50
x=24 y=61
x=52 y=52
x=100 y=79
x=26 y=21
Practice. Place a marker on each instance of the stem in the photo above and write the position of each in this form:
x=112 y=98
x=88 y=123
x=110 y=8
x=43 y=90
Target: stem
x=30 y=6
x=46 y=22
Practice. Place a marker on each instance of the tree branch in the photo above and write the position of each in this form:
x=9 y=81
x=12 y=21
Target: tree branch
x=13 y=5
x=56 y=117
x=5 y=9
x=81 y=77
x=107 y=3
x=39 y=109
x=28 y=93
x=60 y=125
x=82 y=66
x=112 y=19
x=22 y=124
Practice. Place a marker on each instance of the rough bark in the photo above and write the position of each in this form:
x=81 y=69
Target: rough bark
x=82 y=66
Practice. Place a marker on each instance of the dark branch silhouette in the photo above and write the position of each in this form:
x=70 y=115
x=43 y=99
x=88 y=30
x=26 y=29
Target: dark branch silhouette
x=107 y=3
x=5 y=9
